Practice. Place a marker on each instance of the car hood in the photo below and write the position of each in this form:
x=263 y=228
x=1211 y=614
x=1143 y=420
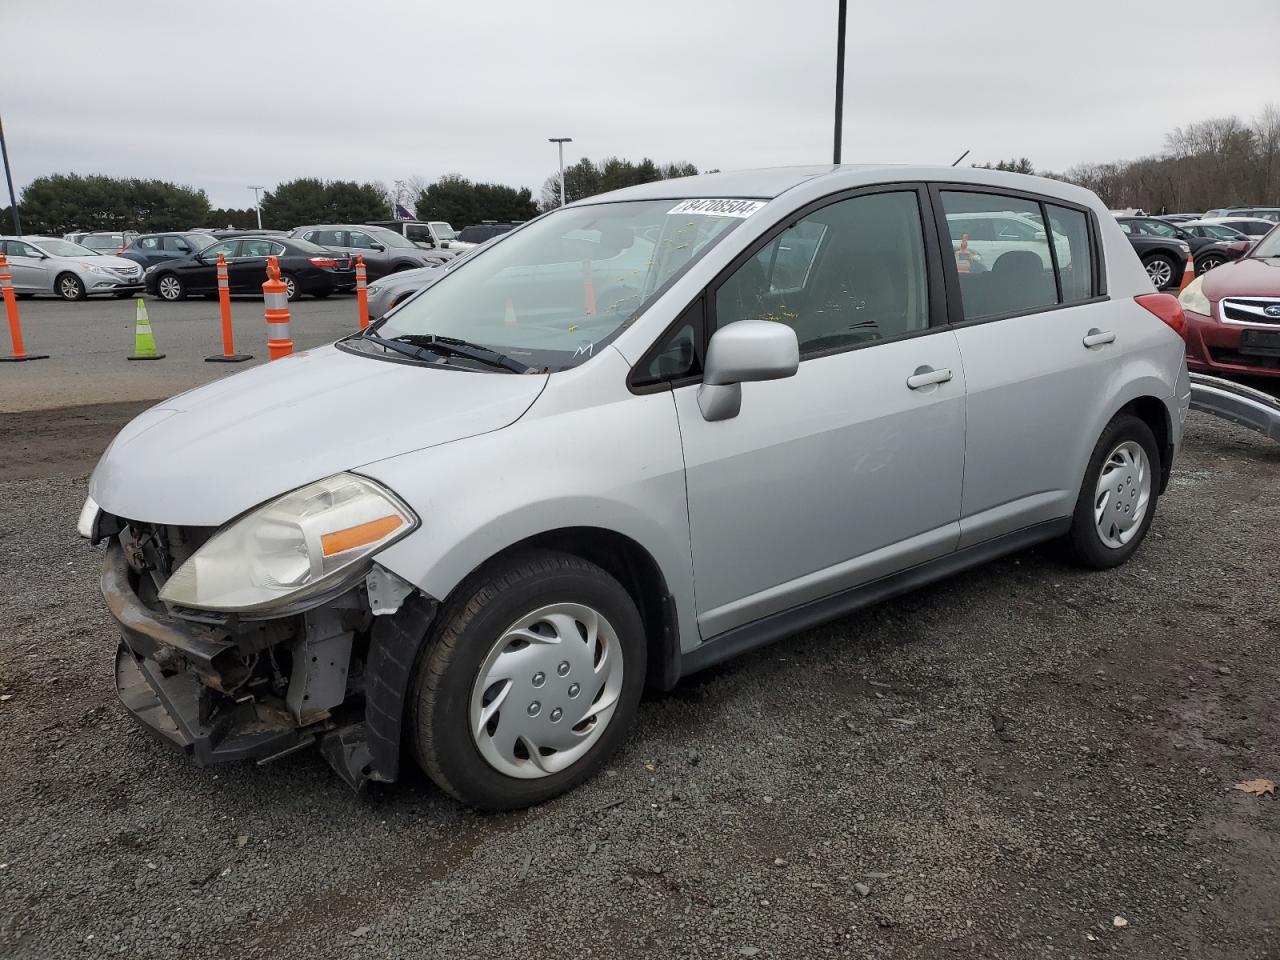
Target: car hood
x=103 y=260
x=212 y=453
x=1250 y=277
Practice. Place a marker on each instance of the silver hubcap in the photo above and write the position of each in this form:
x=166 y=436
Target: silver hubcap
x=70 y=287
x=546 y=691
x=169 y=288
x=290 y=290
x=1160 y=272
x=1123 y=493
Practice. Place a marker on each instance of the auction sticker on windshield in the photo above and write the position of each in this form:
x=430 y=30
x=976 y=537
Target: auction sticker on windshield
x=718 y=208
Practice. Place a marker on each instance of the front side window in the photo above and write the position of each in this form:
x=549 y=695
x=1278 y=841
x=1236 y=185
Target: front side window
x=443 y=230
x=554 y=293
x=19 y=249
x=849 y=273
x=360 y=241
x=1006 y=274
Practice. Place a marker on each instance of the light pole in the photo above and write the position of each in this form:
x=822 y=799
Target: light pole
x=257 y=202
x=13 y=201
x=839 y=78
x=560 y=142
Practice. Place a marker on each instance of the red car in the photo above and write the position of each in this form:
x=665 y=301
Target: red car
x=1233 y=314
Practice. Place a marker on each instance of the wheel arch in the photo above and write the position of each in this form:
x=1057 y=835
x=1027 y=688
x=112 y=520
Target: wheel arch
x=1155 y=414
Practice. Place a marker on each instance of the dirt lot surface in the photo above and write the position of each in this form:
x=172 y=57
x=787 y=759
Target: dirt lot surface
x=1024 y=761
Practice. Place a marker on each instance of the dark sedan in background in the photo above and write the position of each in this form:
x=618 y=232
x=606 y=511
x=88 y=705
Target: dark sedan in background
x=1164 y=257
x=305 y=268
x=384 y=251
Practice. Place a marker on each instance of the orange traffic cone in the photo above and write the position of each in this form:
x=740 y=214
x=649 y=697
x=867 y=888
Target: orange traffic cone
x=1188 y=273
x=362 y=291
x=275 y=296
x=15 y=328
x=228 y=354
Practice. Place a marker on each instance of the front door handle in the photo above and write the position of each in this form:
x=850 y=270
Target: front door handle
x=1096 y=337
x=927 y=376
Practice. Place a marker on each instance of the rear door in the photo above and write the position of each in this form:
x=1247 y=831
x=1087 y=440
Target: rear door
x=845 y=472
x=1039 y=351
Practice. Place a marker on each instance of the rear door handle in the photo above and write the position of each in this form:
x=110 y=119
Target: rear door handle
x=1096 y=337
x=927 y=376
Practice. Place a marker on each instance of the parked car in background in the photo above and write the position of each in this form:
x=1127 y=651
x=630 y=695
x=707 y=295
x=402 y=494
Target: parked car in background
x=475 y=532
x=152 y=248
x=988 y=235
x=1261 y=213
x=1233 y=315
x=486 y=230
x=102 y=241
x=430 y=235
x=1213 y=231
x=1206 y=252
x=1251 y=227
x=1164 y=257
x=67 y=270
x=384 y=251
x=395 y=288
x=233 y=232
x=1178 y=217
x=305 y=268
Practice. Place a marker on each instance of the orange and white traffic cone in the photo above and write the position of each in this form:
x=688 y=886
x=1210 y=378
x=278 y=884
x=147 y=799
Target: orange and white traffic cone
x=362 y=291
x=228 y=354
x=1188 y=273
x=276 y=297
x=964 y=256
x=15 y=328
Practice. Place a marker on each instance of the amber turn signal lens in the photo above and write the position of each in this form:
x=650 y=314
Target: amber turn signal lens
x=358 y=536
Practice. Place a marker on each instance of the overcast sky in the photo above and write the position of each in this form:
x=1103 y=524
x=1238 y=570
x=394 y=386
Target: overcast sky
x=227 y=94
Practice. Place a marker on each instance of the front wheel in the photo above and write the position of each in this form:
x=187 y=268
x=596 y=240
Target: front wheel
x=70 y=287
x=1118 y=497
x=170 y=288
x=1207 y=263
x=531 y=680
x=1161 y=270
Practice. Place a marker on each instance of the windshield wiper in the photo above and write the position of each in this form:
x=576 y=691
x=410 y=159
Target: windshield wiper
x=395 y=346
x=452 y=347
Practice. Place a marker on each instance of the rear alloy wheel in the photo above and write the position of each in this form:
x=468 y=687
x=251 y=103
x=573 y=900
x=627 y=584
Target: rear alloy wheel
x=290 y=287
x=170 y=288
x=1118 y=497
x=530 y=681
x=1209 y=262
x=70 y=287
x=1161 y=270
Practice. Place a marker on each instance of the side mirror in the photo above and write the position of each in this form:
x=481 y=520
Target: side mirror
x=378 y=247
x=742 y=352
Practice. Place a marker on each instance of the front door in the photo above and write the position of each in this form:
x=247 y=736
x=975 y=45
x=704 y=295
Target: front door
x=851 y=469
x=29 y=268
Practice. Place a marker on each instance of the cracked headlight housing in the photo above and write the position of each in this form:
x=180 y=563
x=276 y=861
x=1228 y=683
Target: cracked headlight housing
x=292 y=552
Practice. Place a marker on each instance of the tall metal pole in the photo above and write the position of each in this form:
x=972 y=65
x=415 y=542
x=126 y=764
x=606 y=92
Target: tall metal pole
x=560 y=142
x=839 y=79
x=8 y=176
x=257 y=203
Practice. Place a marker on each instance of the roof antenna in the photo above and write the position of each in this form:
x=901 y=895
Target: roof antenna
x=961 y=157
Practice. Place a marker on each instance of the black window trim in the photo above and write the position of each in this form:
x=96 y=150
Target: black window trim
x=934 y=282
x=955 y=304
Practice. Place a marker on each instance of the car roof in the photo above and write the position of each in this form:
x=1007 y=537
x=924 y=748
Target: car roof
x=1230 y=220
x=771 y=182
x=344 y=226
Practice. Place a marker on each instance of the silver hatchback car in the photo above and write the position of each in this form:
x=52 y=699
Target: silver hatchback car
x=631 y=438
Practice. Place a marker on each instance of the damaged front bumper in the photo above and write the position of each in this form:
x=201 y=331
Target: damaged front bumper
x=220 y=689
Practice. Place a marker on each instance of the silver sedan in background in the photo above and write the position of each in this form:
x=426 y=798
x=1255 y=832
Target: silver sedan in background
x=72 y=272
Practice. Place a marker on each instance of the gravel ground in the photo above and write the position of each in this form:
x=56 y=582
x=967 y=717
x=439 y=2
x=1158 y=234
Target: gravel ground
x=1003 y=765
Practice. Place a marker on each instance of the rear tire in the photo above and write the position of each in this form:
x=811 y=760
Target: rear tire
x=69 y=287
x=290 y=287
x=1118 y=495
x=474 y=631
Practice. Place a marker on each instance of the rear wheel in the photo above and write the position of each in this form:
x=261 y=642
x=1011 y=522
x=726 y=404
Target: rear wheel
x=1161 y=270
x=1209 y=261
x=290 y=287
x=69 y=287
x=530 y=680
x=170 y=287
x=1118 y=496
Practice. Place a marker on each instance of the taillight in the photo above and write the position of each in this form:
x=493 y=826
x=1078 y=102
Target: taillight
x=1167 y=308
x=324 y=262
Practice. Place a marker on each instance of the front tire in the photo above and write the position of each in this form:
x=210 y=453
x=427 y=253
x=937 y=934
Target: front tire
x=530 y=681
x=1118 y=496
x=170 y=287
x=1162 y=271
x=70 y=287
x=1209 y=262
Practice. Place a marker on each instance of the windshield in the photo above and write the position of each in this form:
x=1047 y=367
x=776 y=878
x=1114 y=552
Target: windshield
x=1159 y=229
x=443 y=230
x=389 y=238
x=65 y=248
x=552 y=293
x=104 y=242
x=1254 y=228
x=1268 y=246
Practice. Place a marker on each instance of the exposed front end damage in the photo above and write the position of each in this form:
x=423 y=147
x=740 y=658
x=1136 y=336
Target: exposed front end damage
x=220 y=687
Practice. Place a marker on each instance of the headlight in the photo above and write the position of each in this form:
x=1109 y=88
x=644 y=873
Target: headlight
x=374 y=290
x=88 y=517
x=92 y=268
x=313 y=541
x=1193 y=297
x=150 y=269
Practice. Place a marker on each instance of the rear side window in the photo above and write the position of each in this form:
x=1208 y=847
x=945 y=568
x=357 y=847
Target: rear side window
x=1076 y=271
x=1005 y=254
